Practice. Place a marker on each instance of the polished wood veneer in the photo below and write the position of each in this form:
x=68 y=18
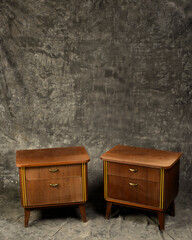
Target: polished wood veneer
x=67 y=190
x=141 y=178
x=51 y=172
x=51 y=156
x=141 y=156
x=53 y=177
x=145 y=192
x=133 y=171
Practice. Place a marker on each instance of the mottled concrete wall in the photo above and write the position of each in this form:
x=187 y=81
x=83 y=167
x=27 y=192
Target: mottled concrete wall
x=95 y=73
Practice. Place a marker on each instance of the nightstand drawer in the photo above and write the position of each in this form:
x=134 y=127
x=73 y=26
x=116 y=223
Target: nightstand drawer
x=134 y=190
x=132 y=171
x=54 y=191
x=51 y=172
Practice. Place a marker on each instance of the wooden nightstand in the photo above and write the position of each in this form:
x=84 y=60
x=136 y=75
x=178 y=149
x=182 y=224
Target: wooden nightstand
x=141 y=178
x=53 y=177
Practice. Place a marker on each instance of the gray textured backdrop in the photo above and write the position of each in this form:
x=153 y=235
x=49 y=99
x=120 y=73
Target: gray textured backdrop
x=95 y=73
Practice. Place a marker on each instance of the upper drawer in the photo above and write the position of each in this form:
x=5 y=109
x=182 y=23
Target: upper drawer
x=37 y=173
x=135 y=172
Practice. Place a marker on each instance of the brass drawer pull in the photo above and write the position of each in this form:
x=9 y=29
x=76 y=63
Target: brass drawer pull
x=133 y=184
x=53 y=170
x=133 y=170
x=53 y=185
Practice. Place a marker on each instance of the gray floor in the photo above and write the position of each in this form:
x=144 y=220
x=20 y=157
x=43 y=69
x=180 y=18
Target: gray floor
x=65 y=223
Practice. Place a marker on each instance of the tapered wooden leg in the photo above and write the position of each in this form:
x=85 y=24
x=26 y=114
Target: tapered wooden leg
x=27 y=215
x=172 y=209
x=108 y=210
x=161 y=217
x=83 y=213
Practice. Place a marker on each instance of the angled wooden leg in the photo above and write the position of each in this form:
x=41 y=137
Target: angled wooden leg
x=161 y=217
x=82 y=211
x=172 y=209
x=108 y=210
x=27 y=215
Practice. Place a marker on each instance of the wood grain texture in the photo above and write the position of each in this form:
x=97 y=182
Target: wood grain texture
x=68 y=190
x=146 y=193
x=141 y=156
x=38 y=173
x=51 y=156
x=171 y=184
x=133 y=171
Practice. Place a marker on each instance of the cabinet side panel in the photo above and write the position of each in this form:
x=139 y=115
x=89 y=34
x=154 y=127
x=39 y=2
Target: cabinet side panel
x=86 y=181
x=171 y=184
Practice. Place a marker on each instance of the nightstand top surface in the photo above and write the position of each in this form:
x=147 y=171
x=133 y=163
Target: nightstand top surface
x=51 y=156
x=141 y=156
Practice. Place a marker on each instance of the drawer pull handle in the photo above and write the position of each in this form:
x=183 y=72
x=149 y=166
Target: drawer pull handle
x=133 y=184
x=53 y=170
x=133 y=170
x=54 y=185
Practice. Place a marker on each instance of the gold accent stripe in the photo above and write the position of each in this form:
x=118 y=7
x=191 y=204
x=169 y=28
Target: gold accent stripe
x=84 y=188
x=105 y=180
x=23 y=187
x=161 y=189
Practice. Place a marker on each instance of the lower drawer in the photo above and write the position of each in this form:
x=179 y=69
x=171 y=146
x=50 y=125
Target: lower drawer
x=40 y=192
x=144 y=192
